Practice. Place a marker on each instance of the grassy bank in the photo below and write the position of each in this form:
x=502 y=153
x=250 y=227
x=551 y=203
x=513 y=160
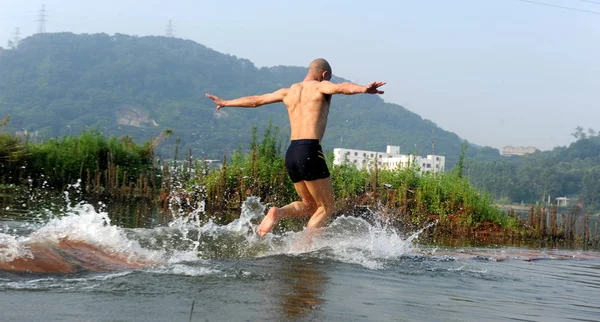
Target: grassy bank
x=111 y=166
x=112 y=169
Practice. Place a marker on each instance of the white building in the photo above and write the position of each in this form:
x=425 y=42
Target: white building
x=509 y=150
x=390 y=159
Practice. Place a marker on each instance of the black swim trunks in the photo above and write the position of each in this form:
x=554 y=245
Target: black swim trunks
x=305 y=161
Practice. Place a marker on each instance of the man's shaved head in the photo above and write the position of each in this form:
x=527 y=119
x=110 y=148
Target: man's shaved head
x=318 y=66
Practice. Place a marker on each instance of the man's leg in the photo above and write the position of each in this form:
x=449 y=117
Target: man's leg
x=322 y=192
x=306 y=207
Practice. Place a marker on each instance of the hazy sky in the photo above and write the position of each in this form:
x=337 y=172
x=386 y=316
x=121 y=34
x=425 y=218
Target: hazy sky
x=496 y=72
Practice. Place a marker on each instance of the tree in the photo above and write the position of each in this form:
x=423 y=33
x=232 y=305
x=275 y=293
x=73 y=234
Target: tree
x=579 y=134
x=57 y=79
x=592 y=132
x=590 y=188
x=461 y=159
x=571 y=171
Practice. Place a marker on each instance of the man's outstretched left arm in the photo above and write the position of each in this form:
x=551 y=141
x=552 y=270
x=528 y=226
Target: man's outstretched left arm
x=250 y=101
x=349 y=88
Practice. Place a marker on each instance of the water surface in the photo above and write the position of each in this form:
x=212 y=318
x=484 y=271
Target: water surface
x=352 y=271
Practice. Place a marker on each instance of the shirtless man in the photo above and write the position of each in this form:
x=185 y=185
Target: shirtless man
x=308 y=104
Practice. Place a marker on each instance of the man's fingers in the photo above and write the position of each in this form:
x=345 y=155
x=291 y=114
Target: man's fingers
x=212 y=97
x=377 y=84
x=216 y=100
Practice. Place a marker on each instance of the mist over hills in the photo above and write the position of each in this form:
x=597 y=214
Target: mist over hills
x=55 y=84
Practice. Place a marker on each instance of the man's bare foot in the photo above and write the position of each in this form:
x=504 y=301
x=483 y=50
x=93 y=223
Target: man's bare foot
x=268 y=222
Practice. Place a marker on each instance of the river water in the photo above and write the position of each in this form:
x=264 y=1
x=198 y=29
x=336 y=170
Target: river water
x=78 y=266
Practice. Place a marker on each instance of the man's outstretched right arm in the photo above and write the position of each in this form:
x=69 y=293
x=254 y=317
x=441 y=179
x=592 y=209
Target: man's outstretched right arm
x=349 y=88
x=250 y=101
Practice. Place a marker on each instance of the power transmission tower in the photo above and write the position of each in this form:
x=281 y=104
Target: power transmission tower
x=17 y=36
x=14 y=43
x=170 y=31
x=42 y=20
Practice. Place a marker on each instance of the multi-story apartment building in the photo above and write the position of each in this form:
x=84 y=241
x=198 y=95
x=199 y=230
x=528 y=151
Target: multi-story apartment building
x=390 y=159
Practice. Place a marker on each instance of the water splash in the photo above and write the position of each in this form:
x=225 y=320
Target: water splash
x=12 y=247
x=189 y=244
x=190 y=237
x=80 y=238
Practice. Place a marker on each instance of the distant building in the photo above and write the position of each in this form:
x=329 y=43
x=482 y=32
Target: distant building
x=26 y=134
x=563 y=201
x=390 y=159
x=509 y=150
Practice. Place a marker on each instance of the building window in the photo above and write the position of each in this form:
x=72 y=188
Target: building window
x=354 y=161
x=355 y=153
x=348 y=153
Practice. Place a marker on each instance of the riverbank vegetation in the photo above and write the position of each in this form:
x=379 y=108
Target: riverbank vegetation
x=572 y=172
x=103 y=165
x=119 y=171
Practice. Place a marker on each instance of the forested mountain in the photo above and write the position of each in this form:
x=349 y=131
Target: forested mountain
x=58 y=84
x=572 y=171
x=61 y=83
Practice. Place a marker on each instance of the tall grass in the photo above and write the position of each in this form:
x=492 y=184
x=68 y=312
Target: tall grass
x=117 y=168
x=68 y=159
x=102 y=164
x=406 y=194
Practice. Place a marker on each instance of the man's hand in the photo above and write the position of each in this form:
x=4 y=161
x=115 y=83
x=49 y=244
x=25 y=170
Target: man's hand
x=219 y=101
x=373 y=88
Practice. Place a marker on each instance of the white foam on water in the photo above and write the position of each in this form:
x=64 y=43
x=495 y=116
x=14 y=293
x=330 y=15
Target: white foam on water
x=100 y=277
x=355 y=241
x=83 y=223
x=12 y=247
x=182 y=269
x=347 y=239
x=191 y=238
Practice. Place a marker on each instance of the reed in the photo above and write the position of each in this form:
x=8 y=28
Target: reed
x=119 y=170
x=405 y=197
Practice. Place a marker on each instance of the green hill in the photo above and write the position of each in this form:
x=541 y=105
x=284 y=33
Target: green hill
x=61 y=83
x=572 y=172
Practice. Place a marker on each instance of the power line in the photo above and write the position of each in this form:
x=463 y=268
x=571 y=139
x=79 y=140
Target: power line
x=590 y=1
x=561 y=7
